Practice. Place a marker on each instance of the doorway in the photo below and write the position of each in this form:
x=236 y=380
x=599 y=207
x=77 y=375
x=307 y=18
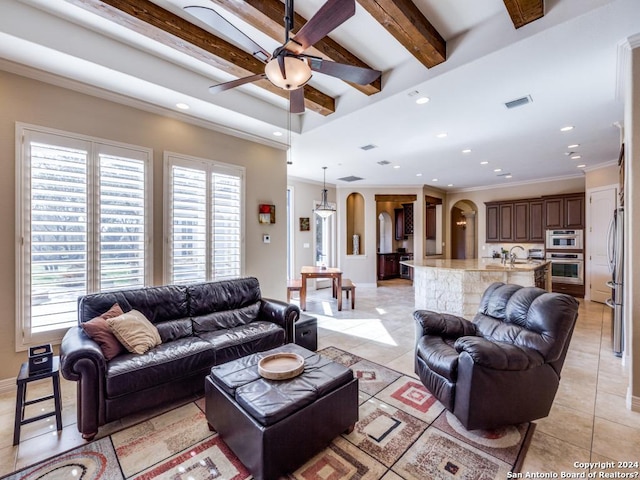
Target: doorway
x=463 y=232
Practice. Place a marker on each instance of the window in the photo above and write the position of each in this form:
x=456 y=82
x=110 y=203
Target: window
x=83 y=219
x=204 y=218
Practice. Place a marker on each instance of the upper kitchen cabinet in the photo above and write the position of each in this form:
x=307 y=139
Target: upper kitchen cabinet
x=493 y=210
x=515 y=221
x=399 y=223
x=404 y=221
x=565 y=211
x=536 y=221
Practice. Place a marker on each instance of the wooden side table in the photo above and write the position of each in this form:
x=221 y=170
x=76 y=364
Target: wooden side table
x=21 y=398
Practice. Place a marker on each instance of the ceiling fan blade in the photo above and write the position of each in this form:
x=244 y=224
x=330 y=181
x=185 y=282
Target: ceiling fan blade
x=223 y=26
x=331 y=15
x=221 y=87
x=296 y=100
x=349 y=73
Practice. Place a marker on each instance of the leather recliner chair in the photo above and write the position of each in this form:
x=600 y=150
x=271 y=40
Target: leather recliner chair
x=503 y=368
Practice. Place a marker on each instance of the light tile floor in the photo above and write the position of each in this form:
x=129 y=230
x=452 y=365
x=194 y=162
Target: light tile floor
x=588 y=422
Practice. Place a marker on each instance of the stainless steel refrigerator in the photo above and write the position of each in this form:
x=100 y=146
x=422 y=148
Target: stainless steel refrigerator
x=615 y=245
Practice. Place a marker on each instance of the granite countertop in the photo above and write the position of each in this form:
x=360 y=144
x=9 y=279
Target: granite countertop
x=478 y=264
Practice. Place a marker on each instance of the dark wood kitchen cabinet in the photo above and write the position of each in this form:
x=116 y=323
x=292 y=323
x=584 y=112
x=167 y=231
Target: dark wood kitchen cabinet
x=431 y=227
x=506 y=222
x=525 y=220
x=399 y=220
x=564 y=211
x=403 y=221
x=536 y=221
x=493 y=209
x=388 y=266
x=521 y=221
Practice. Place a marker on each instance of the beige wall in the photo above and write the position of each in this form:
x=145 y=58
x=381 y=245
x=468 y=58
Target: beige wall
x=304 y=195
x=33 y=102
x=602 y=177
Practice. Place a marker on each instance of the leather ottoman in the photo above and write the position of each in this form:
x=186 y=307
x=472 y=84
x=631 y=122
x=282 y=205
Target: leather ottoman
x=274 y=427
x=306 y=332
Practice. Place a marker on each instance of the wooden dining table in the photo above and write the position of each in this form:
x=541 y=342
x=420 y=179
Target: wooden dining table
x=335 y=274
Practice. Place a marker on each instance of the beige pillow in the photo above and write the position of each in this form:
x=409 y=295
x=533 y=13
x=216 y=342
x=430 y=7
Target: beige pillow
x=134 y=331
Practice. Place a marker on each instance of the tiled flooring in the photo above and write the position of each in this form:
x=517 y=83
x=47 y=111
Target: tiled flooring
x=588 y=422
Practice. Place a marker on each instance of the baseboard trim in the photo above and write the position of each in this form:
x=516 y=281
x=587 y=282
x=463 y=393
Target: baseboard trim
x=7 y=385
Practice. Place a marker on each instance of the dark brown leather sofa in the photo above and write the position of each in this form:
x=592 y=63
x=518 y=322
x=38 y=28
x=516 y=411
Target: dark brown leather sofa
x=504 y=367
x=200 y=325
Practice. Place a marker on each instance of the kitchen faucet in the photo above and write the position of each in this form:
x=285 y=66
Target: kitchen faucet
x=513 y=256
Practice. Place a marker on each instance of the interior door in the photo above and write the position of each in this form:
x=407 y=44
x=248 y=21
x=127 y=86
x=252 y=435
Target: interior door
x=602 y=203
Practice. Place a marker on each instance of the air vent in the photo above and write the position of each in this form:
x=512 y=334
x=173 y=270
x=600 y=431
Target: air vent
x=518 y=102
x=371 y=146
x=384 y=162
x=503 y=174
x=351 y=179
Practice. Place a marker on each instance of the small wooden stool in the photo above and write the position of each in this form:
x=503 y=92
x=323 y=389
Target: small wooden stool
x=293 y=286
x=21 y=398
x=349 y=286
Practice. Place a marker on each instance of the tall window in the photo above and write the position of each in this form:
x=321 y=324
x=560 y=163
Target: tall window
x=204 y=218
x=83 y=220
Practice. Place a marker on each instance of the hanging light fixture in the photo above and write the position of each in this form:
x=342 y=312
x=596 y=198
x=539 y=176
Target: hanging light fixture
x=324 y=210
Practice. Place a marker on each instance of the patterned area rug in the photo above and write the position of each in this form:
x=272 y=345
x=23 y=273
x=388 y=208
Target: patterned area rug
x=403 y=433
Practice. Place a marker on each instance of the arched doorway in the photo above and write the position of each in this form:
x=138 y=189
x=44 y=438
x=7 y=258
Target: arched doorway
x=463 y=230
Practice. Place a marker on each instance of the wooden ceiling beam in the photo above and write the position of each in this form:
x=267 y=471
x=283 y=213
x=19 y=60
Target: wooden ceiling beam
x=268 y=17
x=409 y=26
x=524 y=11
x=146 y=18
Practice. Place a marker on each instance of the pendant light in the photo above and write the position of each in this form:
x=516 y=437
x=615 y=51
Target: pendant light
x=324 y=210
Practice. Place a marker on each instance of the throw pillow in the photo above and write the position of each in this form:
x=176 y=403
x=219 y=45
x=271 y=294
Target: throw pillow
x=135 y=332
x=100 y=332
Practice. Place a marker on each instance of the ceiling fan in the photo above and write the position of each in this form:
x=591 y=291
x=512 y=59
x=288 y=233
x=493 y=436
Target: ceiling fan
x=288 y=67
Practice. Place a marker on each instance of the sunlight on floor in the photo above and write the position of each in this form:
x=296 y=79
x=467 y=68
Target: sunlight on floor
x=366 y=328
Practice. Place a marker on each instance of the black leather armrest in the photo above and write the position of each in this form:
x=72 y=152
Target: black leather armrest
x=76 y=346
x=81 y=360
x=443 y=324
x=499 y=355
x=281 y=313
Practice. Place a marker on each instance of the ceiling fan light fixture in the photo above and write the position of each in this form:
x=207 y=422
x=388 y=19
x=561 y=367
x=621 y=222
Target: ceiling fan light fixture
x=297 y=70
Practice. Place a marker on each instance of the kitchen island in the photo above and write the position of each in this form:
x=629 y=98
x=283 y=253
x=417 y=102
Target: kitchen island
x=456 y=286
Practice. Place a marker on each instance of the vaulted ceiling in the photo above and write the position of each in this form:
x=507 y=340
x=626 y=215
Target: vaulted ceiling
x=468 y=57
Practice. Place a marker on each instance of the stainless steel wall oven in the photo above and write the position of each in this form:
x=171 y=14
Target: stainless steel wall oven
x=567 y=267
x=564 y=240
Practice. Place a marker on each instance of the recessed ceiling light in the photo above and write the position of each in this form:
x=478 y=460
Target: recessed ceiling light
x=441 y=135
x=497 y=169
x=576 y=157
x=450 y=185
x=484 y=163
x=434 y=179
x=466 y=150
x=508 y=176
x=277 y=134
x=422 y=100
x=182 y=106
x=396 y=166
x=575 y=145
x=567 y=128
x=418 y=174
x=582 y=165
